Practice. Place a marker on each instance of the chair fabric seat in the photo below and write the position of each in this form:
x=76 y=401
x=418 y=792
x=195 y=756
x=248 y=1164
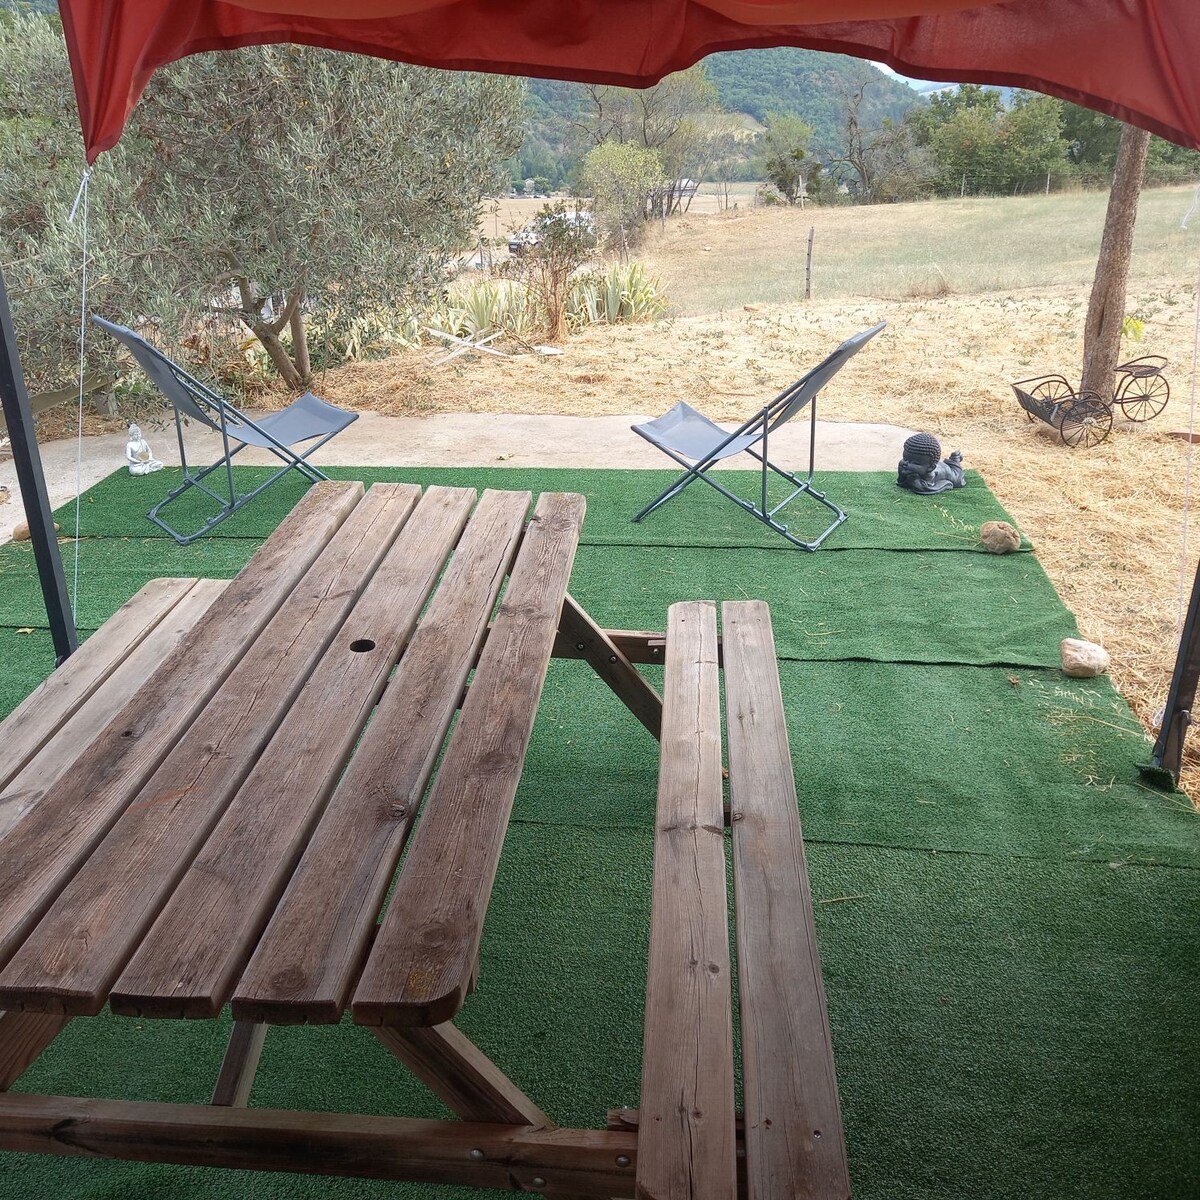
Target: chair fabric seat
x=692 y=434
x=305 y=418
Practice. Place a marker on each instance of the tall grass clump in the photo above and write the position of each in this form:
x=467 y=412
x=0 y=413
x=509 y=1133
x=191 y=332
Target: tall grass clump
x=624 y=292
x=487 y=306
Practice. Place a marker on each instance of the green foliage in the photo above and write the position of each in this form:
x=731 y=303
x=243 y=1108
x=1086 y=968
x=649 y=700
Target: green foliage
x=621 y=177
x=563 y=244
x=801 y=83
x=487 y=306
x=978 y=146
x=623 y=293
x=807 y=84
x=267 y=187
x=785 y=154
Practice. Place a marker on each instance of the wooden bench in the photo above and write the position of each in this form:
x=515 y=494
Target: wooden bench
x=688 y=1136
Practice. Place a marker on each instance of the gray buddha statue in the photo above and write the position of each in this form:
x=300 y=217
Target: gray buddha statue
x=921 y=471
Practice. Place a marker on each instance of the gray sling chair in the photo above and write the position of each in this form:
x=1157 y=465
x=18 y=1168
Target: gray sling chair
x=689 y=437
x=302 y=421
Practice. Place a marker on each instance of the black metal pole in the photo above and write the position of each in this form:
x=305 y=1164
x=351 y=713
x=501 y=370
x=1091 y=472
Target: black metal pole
x=28 y=463
x=1177 y=716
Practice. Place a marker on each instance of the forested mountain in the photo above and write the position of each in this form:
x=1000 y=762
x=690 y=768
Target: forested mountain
x=803 y=83
x=806 y=84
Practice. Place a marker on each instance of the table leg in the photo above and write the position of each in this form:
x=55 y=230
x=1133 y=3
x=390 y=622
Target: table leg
x=464 y=1078
x=23 y=1037
x=610 y=663
x=461 y=1075
x=239 y=1065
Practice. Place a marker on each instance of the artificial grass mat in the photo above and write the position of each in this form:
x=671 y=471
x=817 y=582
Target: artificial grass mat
x=882 y=516
x=1006 y=914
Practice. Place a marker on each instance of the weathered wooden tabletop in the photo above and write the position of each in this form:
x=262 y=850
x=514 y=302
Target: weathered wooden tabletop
x=230 y=836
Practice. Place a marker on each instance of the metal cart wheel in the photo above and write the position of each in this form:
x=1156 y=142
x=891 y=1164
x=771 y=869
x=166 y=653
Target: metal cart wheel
x=1053 y=391
x=1144 y=398
x=1086 y=423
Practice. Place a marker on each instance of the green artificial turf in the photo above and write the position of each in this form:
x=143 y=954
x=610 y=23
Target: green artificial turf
x=1006 y=914
x=882 y=516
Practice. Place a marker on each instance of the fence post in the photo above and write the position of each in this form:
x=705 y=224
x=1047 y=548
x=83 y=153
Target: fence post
x=812 y=229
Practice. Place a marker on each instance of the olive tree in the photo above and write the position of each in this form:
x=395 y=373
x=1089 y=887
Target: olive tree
x=275 y=185
x=621 y=177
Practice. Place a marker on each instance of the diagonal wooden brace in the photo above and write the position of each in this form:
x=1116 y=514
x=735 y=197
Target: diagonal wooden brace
x=580 y=637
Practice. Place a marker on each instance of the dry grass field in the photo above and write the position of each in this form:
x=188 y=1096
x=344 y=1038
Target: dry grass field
x=1107 y=522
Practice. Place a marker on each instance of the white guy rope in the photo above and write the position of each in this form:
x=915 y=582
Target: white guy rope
x=81 y=196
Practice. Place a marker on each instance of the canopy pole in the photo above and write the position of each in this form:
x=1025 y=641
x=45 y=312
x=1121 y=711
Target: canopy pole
x=32 y=481
x=1167 y=754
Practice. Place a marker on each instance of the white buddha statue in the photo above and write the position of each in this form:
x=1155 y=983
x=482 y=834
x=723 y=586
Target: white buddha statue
x=137 y=454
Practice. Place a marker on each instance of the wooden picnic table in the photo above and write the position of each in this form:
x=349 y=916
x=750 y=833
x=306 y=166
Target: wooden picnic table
x=207 y=805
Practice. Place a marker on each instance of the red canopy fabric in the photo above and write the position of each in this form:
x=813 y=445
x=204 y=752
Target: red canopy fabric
x=1134 y=59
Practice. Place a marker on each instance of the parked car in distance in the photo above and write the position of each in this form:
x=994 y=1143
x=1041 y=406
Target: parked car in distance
x=533 y=233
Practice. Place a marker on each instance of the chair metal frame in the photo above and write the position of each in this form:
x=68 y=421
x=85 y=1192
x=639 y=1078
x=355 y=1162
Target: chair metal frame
x=758 y=429
x=191 y=397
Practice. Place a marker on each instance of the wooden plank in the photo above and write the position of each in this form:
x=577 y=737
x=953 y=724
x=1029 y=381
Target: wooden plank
x=239 y=1065
x=70 y=960
x=44 y=850
x=639 y=646
x=40 y=715
x=23 y=1037
x=687 y=1141
x=88 y=721
x=420 y=966
x=593 y=1161
x=189 y=960
x=794 y=1140
x=461 y=1075
x=316 y=943
x=610 y=663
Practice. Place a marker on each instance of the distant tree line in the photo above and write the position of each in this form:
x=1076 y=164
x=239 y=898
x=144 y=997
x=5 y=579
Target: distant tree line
x=963 y=142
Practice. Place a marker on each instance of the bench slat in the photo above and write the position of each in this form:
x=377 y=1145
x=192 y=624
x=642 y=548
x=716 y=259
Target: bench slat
x=315 y=944
x=187 y=963
x=70 y=960
x=55 y=760
x=794 y=1141
x=43 y=851
x=687 y=1140
x=420 y=967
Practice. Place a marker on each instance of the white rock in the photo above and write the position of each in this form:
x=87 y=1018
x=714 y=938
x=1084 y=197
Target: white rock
x=1082 y=660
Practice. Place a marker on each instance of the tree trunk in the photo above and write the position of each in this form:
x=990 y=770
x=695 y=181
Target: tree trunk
x=278 y=354
x=1106 y=309
x=300 y=345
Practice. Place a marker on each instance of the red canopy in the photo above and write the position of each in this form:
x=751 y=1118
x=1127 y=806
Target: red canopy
x=1135 y=59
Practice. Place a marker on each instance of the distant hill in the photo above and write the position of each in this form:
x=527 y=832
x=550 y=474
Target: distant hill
x=803 y=83
x=806 y=84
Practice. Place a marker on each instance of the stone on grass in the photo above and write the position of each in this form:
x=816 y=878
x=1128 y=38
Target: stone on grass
x=20 y=531
x=1083 y=660
x=999 y=537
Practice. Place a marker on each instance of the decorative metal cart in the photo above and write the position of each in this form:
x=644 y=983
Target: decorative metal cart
x=1085 y=418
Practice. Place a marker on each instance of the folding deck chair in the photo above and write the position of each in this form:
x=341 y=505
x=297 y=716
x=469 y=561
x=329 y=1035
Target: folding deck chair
x=698 y=444
x=303 y=420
